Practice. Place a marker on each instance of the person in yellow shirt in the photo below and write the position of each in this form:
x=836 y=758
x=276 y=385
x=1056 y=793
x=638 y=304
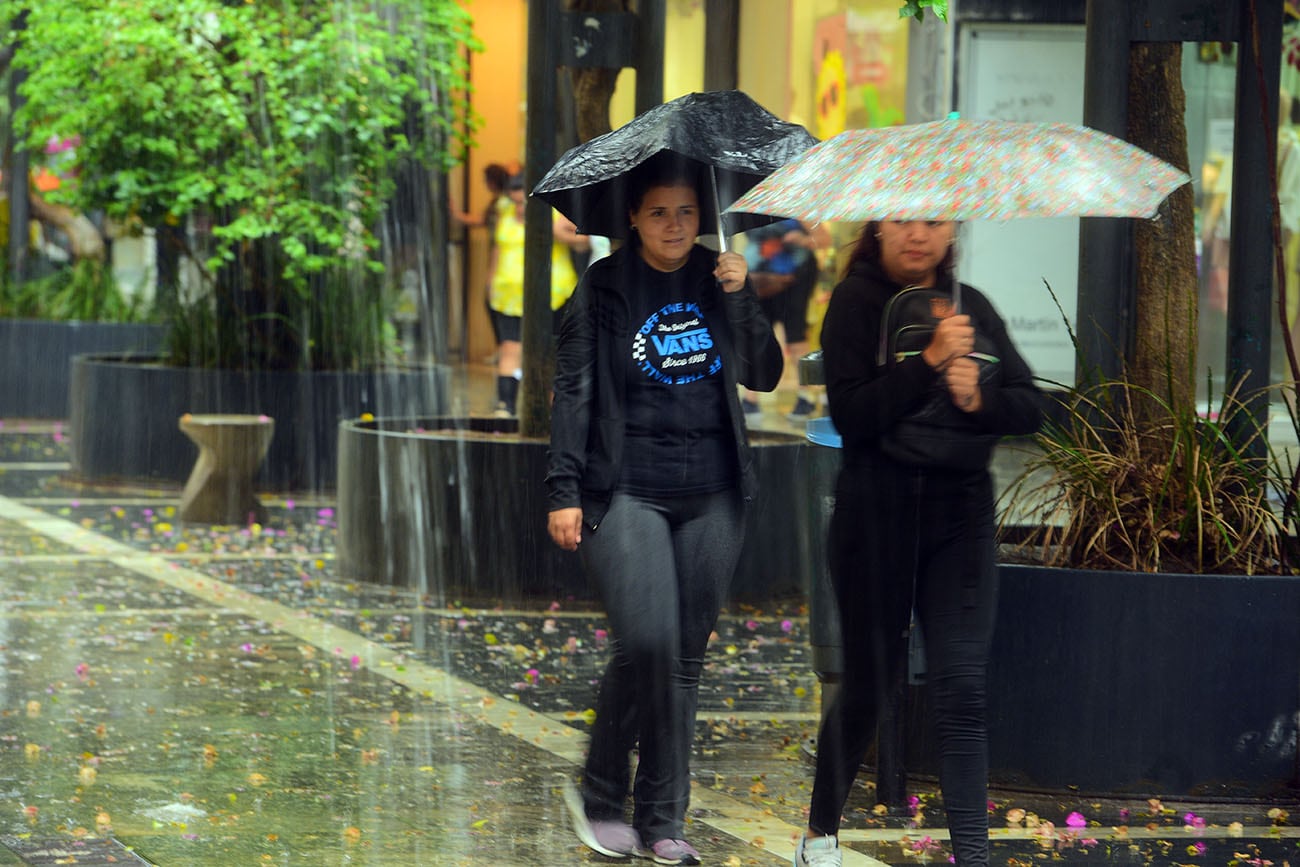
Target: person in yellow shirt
x=506 y=284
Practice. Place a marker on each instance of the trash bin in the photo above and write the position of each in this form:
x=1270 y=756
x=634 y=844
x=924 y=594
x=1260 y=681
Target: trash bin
x=824 y=619
x=823 y=615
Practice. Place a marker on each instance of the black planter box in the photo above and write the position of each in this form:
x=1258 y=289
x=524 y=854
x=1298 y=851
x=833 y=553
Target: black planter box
x=125 y=412
x=36 y=360
x=1138 y=685
x=1146 y=683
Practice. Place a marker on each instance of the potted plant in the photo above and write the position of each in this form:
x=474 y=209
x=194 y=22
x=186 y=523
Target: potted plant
x=267 y=143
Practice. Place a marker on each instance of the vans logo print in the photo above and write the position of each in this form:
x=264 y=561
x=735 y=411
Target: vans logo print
x=675 y=345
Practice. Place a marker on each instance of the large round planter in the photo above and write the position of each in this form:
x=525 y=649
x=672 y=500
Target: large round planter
x=125 y=412
x=36 y=359
x=1139 y=684
x=457 y=506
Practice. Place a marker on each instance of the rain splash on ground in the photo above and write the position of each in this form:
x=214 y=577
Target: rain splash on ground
x=182 y=694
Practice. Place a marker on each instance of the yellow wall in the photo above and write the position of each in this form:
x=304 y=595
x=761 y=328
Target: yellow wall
x=683 y=49
x=498 y=74
x=683 y=62
x=764 y=64
x=779 y=51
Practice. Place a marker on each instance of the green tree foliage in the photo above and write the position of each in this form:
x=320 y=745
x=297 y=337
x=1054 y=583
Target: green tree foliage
x=916 y=9
x=280 y=124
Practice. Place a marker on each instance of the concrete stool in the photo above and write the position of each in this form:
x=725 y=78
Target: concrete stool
x=220 y=487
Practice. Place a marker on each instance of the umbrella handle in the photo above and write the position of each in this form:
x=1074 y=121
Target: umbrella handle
x=717 y=209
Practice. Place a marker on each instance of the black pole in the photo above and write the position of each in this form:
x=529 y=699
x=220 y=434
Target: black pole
x=463 y=236
x=1103 y=317
x=650 y=54
x=19 y=168
x=1250 y=249
x=538 y=354
x=722 y=56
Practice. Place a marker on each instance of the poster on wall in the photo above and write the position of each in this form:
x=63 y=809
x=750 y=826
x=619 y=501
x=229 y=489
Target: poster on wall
x=860 y=69
x=1025 y=73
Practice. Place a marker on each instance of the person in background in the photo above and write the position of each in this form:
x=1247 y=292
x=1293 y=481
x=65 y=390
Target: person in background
x=506 y=285
x=648 y=477
x=495 y=178
x=908 y=536
x=783 y=263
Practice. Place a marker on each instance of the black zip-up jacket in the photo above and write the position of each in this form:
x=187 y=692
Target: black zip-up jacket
x=867 y=399
x=588 y=415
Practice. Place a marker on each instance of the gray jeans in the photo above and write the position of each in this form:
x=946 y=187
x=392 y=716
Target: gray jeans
x=662 y=567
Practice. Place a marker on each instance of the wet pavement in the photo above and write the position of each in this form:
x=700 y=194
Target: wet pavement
x=183 y=694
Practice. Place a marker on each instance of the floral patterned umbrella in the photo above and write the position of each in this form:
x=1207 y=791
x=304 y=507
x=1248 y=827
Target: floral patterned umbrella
x=966 y=170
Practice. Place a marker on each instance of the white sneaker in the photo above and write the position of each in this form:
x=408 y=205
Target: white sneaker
x=818 y=852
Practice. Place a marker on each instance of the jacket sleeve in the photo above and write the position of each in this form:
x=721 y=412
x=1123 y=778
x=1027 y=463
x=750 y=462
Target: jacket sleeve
x=865 y=400
x=575 y=371
x=1014 y=405
x=758 y=354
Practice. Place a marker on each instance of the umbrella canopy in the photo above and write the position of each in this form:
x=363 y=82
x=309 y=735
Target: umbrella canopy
x=966 y=170
x=724 y=130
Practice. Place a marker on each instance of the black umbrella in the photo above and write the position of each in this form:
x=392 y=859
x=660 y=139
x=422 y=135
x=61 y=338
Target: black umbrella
x=725 y=133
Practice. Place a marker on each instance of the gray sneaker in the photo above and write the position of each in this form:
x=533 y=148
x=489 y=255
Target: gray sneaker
x=671 y=852
x=609 y=838
x=818 y=852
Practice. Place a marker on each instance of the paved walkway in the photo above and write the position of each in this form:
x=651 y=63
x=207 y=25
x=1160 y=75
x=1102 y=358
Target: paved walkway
x=192 y=695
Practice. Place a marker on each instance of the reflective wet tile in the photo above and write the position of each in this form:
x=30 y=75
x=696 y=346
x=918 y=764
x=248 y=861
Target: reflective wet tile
x=553 y=662
x=27 y=483
x=84 y=852
x=34 y=447
x=156 y=527
x=72 y=588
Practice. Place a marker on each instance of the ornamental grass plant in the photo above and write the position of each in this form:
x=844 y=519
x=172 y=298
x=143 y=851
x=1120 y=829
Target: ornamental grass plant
x=85 y=291
x=1122 y=477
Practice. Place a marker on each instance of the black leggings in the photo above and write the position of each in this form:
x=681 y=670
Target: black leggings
x=663 y=566
x=923 y=540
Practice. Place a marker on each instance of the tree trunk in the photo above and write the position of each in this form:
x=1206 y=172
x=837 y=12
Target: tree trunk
x=592 y=91
x=1165 y=315
x=593 y=88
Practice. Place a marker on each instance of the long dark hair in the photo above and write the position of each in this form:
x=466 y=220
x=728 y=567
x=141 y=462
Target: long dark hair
x=867 y=249
x=662 y=170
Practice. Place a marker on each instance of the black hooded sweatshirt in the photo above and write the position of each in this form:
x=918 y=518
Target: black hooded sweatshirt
x=589 y=415
x=867 y=398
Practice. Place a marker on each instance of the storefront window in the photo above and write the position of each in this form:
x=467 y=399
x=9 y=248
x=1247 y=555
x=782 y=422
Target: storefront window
x=1209 y=79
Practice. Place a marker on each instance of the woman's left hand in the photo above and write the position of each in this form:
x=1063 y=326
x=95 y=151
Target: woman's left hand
x=963 y=378
x=731 y=271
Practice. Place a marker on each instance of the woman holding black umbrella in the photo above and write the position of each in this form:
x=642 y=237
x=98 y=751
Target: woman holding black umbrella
x=648 y=476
